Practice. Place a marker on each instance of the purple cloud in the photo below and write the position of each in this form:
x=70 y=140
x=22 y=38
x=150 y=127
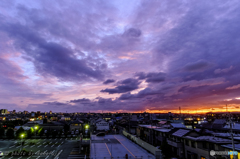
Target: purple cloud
x=126 y=85
x=109 y=81
x=185 y=54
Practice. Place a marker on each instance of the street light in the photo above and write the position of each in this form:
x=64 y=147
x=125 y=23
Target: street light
x=21 y=140
x=35 y=130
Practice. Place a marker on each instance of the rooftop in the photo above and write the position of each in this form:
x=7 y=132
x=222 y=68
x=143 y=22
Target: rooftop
x=180 y=132
x=237 y=146
x=210 y=139
x=118 y=146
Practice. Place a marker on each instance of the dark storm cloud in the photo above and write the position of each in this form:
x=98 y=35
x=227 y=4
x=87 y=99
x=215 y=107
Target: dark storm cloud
x=52 y=58
x=126 y=85
x=152 y=77
x=83 y=100
x=104 y=100
x=126 y=96
x=109 y=81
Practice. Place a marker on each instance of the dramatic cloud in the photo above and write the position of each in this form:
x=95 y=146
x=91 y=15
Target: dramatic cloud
x=51 y=58
x=151 y=77
x=109 y=81
x=126 y=85
x=102 y=55
x=83 y=100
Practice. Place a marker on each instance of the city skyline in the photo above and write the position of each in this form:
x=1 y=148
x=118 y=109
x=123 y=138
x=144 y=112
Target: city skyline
x=120 y=56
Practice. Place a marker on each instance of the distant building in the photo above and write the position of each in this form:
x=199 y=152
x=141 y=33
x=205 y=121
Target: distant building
x=3 y=111
x=65 y=118
x=76 y=125
x=32 y=114
x=102 y=125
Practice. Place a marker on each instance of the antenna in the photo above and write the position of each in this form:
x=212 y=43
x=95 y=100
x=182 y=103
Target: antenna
x=180 y=112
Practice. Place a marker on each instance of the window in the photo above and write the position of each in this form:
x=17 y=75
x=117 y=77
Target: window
x=193 y=144
x=204 y=145
x=187 y=142
x=203 y=157
x=211 y=146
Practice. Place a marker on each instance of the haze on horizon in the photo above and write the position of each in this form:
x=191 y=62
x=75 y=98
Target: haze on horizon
x=119 y=55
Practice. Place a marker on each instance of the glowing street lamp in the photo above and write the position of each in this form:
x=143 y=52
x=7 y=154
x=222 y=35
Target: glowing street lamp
x=36 y=127
x=87 y=126
x=21 y=140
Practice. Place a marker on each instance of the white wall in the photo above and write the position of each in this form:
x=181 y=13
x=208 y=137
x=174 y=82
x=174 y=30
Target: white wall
x=102 y=125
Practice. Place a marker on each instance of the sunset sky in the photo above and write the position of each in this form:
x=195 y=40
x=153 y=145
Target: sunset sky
x=115 y=56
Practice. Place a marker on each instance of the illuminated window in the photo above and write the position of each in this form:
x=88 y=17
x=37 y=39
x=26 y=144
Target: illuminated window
x=203 y=157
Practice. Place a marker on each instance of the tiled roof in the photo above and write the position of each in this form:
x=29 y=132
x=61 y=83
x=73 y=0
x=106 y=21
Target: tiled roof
x=225 y=134
x=163 y=130
x=219 y=121
x=235 y=126
x=180 y=132
x=210 y=139
x=197 y=130
x=178 y=125
x=237 y=146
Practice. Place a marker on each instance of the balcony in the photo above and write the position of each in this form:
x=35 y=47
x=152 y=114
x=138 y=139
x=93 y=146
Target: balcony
x=177 y=144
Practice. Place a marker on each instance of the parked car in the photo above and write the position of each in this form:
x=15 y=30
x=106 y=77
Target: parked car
x=101 y=134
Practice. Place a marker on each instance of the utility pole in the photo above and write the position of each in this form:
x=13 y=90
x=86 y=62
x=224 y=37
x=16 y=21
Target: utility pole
x=233 y=145
x=129 y=129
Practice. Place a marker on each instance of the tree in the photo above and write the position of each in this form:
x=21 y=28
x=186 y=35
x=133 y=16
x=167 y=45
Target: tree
x=54 y=133
x=45 y=120
x=166 y=150
x=66 y=128
x=10 y=133
x=30 y=132
x=19 y=132
x=40 y=132
x=2 y=132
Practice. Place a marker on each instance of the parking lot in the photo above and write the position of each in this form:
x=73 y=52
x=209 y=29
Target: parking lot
x=54 y=148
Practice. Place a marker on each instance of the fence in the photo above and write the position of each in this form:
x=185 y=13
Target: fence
x=145 y=145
